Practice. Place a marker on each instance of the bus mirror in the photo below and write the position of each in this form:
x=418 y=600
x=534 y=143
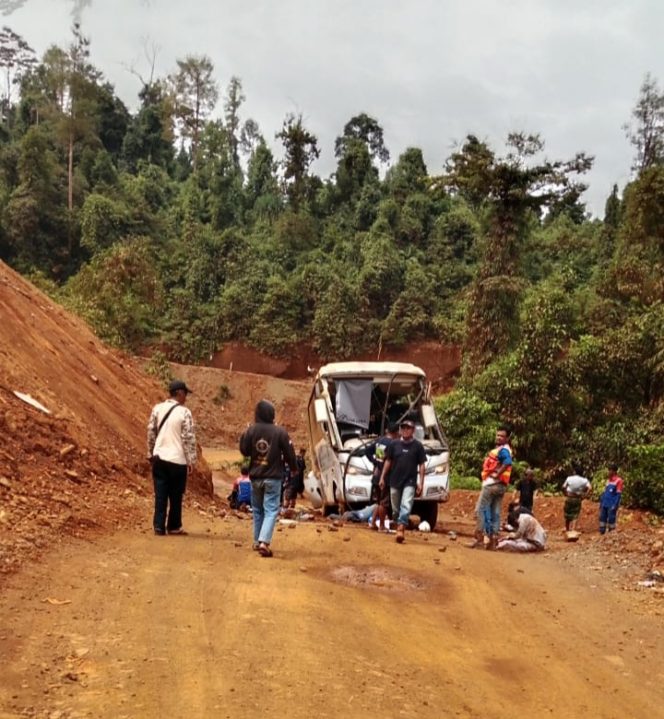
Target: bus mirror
x=320 y=409
x=429 y=415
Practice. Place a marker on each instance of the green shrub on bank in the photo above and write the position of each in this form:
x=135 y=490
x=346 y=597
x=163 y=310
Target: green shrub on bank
x=644 y=485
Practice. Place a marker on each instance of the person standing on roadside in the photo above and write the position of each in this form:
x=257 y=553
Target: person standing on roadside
x=301 y=468
x=610 y=501
x=575 y=488
x=172 y=453
x=380 y=497
x=527 y=489
x=496 y=472
x=405 y=461
x=269 y=450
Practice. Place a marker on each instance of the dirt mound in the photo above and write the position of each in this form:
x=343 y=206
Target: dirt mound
x=223 y=403
x=82 y=463
x=441 y=362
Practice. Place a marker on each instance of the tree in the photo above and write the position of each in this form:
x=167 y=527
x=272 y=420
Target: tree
x=196 y=93
x=34 y=214
x=262 y=187
x=510 y=191
x=301 y=149
x=368 y=132
x=17 y=59
x=149 y=136
x=232 y=103
x=646 y=133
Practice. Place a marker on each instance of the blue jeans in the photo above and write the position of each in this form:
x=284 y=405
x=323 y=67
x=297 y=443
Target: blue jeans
x=402 y=499
x=488 y=508
x=265 y=503
x=170 y=482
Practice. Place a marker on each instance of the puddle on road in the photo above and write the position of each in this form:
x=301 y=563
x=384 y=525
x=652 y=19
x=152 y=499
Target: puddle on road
x=382 y=578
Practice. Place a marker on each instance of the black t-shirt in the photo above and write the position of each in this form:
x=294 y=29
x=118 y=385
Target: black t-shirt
x=406 y=457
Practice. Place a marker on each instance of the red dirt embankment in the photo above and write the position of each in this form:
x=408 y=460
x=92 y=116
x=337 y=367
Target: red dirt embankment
x=81 y=465
x=441 y=362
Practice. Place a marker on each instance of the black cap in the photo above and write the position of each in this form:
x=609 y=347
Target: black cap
x=177 y=384
x=407 y=423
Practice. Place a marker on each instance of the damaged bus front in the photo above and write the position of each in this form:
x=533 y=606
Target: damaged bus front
x=351 y=405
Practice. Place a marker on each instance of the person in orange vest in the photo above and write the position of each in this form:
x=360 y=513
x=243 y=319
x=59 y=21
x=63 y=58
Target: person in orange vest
x=496 y=472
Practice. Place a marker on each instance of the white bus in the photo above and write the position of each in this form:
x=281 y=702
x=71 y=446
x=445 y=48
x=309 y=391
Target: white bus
x=351 y=405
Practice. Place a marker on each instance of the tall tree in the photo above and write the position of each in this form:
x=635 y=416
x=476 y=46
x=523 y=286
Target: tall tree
x=196 y=93
x=367 y=130
x=17 y=59
x=646 y=132
x=300 y=150
x=149 y=136
x=232 y=103
x=514 y=189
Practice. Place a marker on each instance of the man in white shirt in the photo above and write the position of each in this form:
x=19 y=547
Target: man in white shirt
x=172 y=452
x=529 y=535
x=575 y=488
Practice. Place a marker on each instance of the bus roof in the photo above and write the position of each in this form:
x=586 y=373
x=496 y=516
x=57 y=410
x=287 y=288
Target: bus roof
x=368 y=369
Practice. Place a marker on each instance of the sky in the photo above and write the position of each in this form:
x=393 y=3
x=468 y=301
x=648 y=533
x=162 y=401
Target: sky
x=430 y=71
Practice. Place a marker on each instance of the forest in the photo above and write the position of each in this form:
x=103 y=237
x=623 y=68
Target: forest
x=184 y=225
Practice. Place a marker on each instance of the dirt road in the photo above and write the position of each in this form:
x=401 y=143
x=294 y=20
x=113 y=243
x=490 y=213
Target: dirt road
x=338 y=623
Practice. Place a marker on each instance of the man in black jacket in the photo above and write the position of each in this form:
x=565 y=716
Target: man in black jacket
x=269 y=449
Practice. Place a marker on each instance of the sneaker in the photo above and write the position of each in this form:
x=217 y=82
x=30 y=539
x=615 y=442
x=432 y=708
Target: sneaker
x=160 y=532
x=177 y=531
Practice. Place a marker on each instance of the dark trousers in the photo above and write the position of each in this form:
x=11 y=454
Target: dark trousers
x=170 y=482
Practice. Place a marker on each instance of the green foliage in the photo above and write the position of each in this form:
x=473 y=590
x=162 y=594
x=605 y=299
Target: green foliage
x=458 y=481
x=469 y=422
x=644 y=485
x=118 y=293
x=158 y=366
x=103 y=222
x=168 y=227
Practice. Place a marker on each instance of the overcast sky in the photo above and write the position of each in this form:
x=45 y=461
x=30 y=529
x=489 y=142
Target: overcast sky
x=430 y=71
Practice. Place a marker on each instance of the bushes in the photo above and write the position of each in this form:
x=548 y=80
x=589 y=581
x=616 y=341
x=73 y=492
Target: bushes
x=644 y=487
x=469 y=423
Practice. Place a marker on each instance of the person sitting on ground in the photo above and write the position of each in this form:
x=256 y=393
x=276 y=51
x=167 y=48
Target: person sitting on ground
x=240 y=496
x=529 y=535
x=575 y=488
x=527 y=489
x=610 y=501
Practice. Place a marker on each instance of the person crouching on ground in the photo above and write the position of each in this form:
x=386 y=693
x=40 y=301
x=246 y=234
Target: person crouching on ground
x=610 y=501
x=405 y=460
x=529 y=535
x=172 y=453
x=240 y=496
x=575 y=488
x=269 y=449
x=496 y=472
